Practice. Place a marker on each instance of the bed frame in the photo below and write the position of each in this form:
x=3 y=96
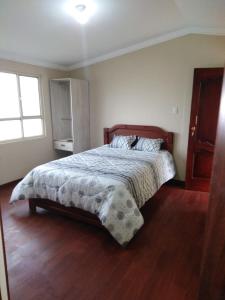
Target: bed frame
x=85 y=216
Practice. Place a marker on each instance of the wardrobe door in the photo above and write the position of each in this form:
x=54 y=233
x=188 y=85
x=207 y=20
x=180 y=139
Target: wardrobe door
x=80 y=115
x=61 y=109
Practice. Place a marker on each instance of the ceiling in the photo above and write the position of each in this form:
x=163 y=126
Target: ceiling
x=43 y=33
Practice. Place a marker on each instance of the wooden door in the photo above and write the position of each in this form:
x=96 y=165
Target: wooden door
x=212 y=280
x=206 y=94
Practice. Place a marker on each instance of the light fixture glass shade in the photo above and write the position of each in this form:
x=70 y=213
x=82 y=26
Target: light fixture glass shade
x=81 y=10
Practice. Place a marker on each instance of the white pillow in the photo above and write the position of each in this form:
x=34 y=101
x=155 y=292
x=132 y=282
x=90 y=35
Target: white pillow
x=149 y=145
x=122 y=141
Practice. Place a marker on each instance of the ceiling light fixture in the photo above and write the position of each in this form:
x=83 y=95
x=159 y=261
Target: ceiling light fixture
x=80 y=7
x=81 y=10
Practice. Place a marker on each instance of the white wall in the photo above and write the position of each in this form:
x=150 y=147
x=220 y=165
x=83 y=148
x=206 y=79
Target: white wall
x=137 y=88
x=142 y=87
x=17 y=158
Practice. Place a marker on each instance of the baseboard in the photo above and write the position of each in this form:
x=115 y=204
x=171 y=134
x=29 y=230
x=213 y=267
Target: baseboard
x=176 y=182
x=11 y=183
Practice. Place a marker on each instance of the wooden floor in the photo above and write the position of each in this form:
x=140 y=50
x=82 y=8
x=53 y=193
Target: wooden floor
x=51 y=257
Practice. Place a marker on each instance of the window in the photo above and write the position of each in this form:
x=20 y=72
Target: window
x=20 y=107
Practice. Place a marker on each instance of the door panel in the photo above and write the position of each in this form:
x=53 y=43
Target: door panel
x=202 y=164
x=210 y=91
x=203 y=124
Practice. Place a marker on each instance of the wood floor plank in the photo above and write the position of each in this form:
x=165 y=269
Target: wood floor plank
x=52 y=257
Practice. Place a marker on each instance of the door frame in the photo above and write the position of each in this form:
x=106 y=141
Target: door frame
x=4 y=282
x=212 y=279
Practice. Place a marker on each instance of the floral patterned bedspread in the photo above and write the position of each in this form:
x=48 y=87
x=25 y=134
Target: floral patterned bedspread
x=112 y=183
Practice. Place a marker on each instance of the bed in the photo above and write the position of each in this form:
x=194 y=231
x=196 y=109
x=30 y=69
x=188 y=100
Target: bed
x=105 y=186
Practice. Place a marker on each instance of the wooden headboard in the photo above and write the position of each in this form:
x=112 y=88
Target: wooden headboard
x=144 y=131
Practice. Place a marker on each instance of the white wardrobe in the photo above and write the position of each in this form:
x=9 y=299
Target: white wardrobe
x=70 y=114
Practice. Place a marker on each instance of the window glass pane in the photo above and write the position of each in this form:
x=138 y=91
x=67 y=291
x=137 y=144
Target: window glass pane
x=32 y=127
x=30 y=96
x=9 y=101
x=10 y=130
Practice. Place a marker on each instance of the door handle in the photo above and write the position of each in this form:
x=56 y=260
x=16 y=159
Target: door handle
x=193 y=130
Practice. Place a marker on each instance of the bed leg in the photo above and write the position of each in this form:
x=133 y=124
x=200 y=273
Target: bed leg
x=32 y=206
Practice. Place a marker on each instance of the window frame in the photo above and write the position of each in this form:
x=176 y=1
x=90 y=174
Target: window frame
x=21 y=118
